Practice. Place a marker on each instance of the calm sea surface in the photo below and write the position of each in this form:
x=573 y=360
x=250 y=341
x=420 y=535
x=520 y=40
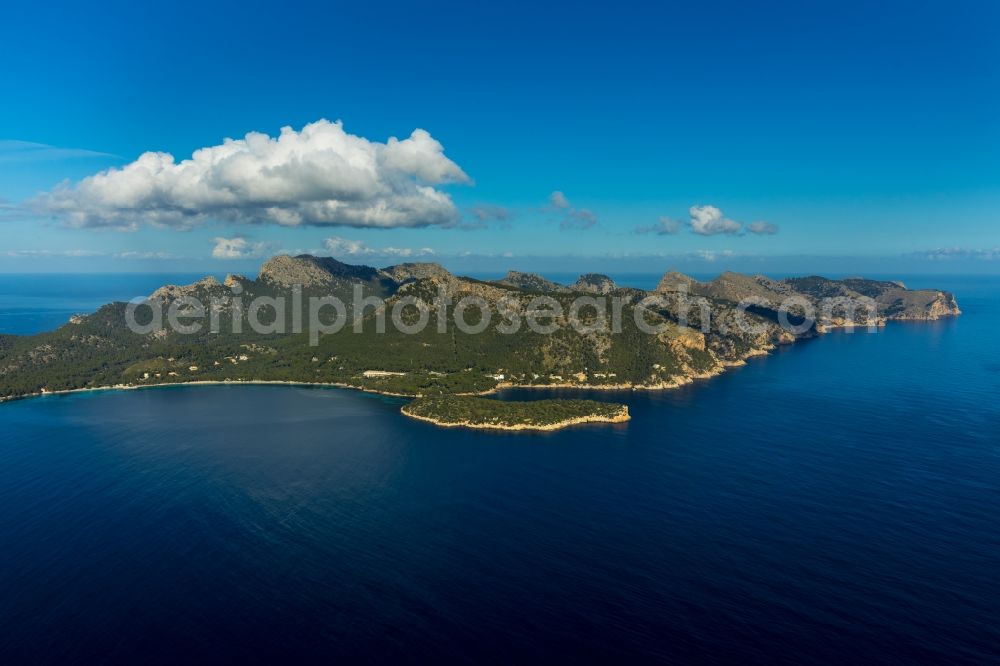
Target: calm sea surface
x=836 y=501
x=33 y=303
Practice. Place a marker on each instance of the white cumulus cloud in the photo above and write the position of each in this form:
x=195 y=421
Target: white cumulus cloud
x=237 y=248
x=320 y=175
x=338 y=246
x=708 y=221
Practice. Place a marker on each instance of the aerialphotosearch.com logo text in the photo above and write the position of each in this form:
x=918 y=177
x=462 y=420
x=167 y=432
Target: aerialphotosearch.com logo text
x=472 y=314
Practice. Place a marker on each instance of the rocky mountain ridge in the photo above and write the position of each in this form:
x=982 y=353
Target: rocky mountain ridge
x=698 y=326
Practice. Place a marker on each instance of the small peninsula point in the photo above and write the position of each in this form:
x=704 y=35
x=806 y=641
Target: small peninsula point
x=489 y=414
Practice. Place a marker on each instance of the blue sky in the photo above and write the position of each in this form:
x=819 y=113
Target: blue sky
x=856 y=134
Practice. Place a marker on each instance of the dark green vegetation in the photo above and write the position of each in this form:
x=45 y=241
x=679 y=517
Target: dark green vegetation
x=99 y=349
x=484 y=412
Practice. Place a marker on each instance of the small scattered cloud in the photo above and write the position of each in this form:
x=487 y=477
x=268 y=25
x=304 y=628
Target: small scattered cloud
x=237 y=248
x=958 y=253
x=338 y=246
x=405 y=252
x=713 y=255
x=709 y=221
x=133 y=254
x=558 y=200
x=572 y=217
x=482 y=217
x=13 y=151
x=129 y=254
x=9 y=211
x=665 y=226
x=578 y=219
x=53 y=253
x=762 y=228
x=319 y=176
x=468 y=225
x=490 y=213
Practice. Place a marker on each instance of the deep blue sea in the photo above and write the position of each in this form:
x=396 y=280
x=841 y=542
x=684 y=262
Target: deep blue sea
x=835 y=502
x=33 y=303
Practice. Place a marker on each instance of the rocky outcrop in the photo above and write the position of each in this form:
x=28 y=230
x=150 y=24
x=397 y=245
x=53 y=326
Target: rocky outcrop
x=847 y=302
x=286 y=271
x=170 y=292
x=310 y=271
x=531 y=282
x=594 y=283
x=674 y=281
x=416 y=271
x=324 y=275
x=924 y=306
x=453 y=287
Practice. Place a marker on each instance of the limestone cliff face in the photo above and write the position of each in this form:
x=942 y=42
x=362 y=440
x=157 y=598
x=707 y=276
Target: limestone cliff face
x=924 y=306
x=944 y=305
x=594 y=283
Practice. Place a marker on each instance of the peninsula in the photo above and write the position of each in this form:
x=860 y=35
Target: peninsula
x=699 y=329
x=486 y=414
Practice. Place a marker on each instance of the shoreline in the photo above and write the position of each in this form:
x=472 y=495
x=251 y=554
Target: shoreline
x=674 y=383
x=203 y=382
x=622 y=417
